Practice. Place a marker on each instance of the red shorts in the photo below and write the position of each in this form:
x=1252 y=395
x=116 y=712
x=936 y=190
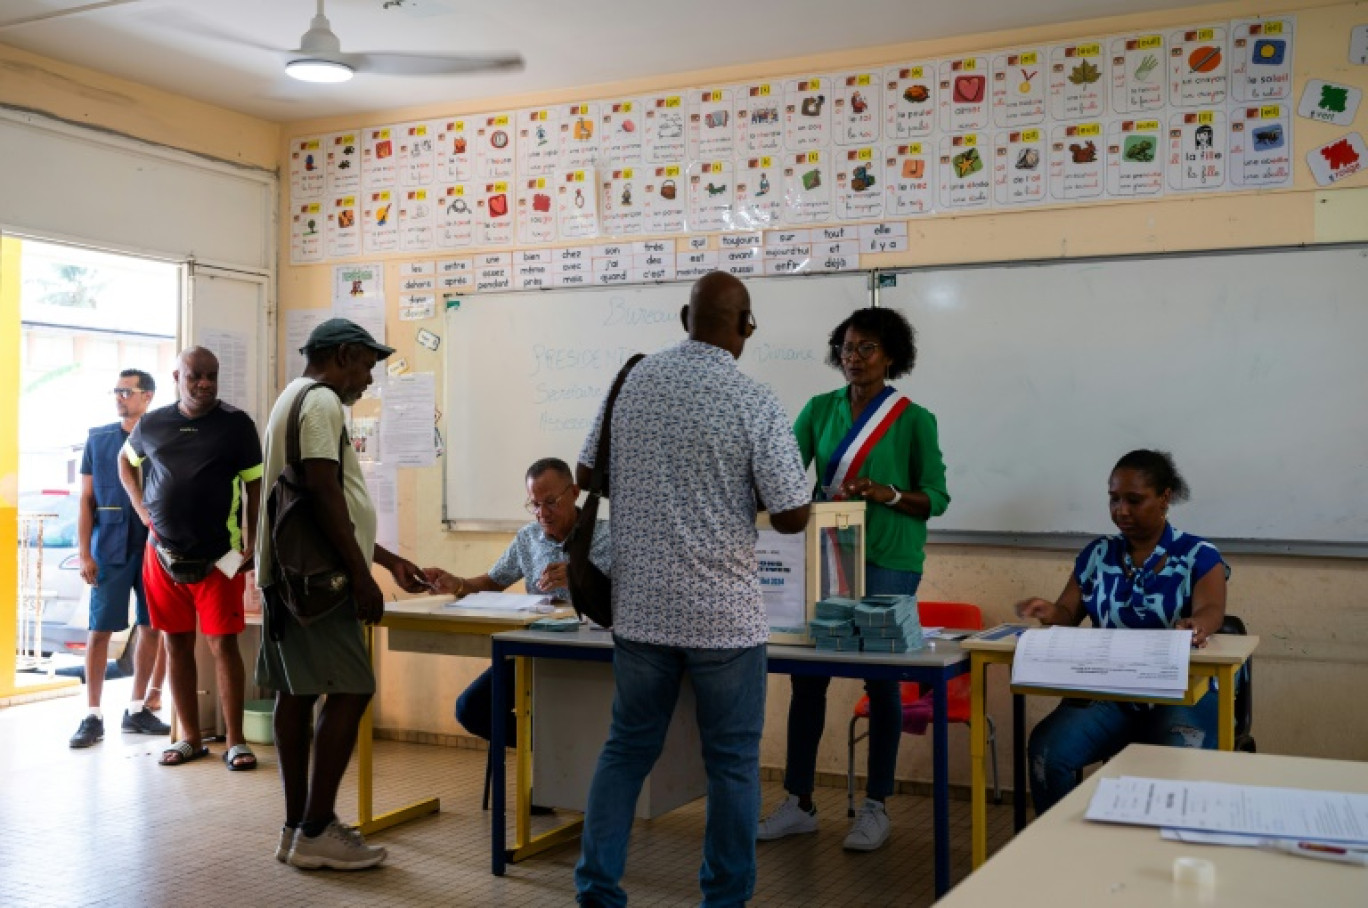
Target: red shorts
x=172 y=606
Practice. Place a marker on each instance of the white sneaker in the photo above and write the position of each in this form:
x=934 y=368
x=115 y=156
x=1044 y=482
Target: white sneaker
x=788 y=819
x=286 y=842
x=870 y=829
x=338 y=847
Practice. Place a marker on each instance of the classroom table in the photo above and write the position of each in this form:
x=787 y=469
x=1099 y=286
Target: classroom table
x=932 y=667
x=1064 y=860
x=414 y=626
x=1221 y=658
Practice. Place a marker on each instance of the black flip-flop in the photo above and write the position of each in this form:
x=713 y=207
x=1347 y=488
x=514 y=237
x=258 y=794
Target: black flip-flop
x=184 y=751
x=237 y=752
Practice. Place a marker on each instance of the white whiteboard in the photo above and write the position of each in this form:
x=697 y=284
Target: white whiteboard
x=526 y=372
x=1250 y=368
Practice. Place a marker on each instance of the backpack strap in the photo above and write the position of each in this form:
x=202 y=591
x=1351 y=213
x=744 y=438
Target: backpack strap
x=598 y=479
x=293 y=455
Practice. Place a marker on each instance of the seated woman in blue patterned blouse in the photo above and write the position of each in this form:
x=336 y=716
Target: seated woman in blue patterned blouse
x=1150 y=576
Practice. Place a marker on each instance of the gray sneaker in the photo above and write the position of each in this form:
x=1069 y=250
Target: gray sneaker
x=287 y=837
x=338 y=847
x=90 y=732
x=144 y=722
x=870 y=829
x=787 y=819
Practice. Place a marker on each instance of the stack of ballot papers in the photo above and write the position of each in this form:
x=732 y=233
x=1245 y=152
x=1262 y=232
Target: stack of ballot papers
x=837 y=607
x=889 y=624
x=1148 y=663
x=563 y=625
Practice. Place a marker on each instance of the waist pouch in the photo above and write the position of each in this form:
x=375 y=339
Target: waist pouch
x=183 y=570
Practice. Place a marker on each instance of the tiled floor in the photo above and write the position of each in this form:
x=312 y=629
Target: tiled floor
x=107 y=826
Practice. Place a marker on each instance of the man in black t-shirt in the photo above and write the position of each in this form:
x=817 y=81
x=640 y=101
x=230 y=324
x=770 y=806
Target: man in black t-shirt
x=197 y=457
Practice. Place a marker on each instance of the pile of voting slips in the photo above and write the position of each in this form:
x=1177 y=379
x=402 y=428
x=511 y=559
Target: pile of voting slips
x=833 y=628
x=888 y=624
x=555 y=624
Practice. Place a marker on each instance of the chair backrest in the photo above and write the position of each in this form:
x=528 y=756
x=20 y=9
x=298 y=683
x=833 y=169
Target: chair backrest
x=950 y=614
x=1244 y=692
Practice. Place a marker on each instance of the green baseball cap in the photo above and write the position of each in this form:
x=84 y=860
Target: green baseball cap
x=337 y=331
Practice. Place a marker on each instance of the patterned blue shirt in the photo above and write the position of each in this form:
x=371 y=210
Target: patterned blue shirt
x=1117 y=593
x=694 y=440
x=531 y=551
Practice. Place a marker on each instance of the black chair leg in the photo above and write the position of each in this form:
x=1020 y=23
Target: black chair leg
x=489 y=778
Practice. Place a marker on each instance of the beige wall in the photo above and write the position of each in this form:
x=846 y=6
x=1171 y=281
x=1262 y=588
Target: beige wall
x=1308 y=611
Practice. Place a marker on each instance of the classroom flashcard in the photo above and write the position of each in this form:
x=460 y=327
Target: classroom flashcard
x=455 y=216
x=360 y=282
x=1197 y=150
x=537 y=211
x=417 y=154
x=1260 y=146
x=623 y=203
x=621 y=135
x=859 y=183
x=1077 y=161
x=1329 y=102
x=712 y=124
x=379 y=221
x=427 y=339
x=496 y=153
x=1135 y=158
x=308 y=179
x=414 y=307
x=710 y=195
x=909 y=179
x=577 y=204
x=1336 y=160
x=857 y=108
x=759 y=119
x=965 y=180
x=807 y=113
x=494 y=214
x=664 y=140
x=1261 y=60
x=538 y=140
x=758 y=202
x=807 y=187
x=343 y=162
x=1198 y=67
x=1020 y=167
x=416 y=220
x=377 y=158
x=1137 y=73
x=455 y=156
x=1358 y=45
x=342 y=227
x=1077 y=89
x=910 y=106
x=963 y=94
x=666 y=199
x=1019 y=80
x=306 y=233
x=579 y=138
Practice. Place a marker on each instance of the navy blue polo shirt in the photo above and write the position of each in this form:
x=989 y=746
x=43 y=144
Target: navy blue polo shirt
x=119 y=536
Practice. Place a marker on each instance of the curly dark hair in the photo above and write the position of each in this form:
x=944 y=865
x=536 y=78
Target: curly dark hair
x=1158 y=468
x=895 y=333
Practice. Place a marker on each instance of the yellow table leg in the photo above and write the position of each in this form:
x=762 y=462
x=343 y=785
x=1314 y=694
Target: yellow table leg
x=1225 y=715
x=524 y=843
x=978 y=748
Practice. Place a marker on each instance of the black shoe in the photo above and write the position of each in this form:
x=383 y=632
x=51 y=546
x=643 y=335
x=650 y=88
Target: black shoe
x=144 y=722
x=90 y=732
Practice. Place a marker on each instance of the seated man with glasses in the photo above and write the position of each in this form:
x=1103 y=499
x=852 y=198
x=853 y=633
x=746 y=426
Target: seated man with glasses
x=536 y=556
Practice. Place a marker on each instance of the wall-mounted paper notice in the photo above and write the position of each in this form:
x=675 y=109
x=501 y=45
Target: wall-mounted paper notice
x=299 y=324
x=406 y=420
x=231 y=349
x=383 y=487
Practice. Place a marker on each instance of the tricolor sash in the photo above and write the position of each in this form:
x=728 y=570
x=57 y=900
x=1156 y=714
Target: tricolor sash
x=878 y=417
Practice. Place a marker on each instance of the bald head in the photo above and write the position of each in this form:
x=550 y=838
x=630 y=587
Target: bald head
x=196 y=377
x=718 y=311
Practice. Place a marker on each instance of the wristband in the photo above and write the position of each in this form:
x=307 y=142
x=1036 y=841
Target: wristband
x=897 y=497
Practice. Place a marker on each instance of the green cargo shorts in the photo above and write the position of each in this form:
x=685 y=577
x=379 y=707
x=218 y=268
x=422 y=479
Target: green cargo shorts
x=327 y=657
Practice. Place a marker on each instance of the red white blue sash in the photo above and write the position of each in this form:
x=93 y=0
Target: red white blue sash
x=878 y=417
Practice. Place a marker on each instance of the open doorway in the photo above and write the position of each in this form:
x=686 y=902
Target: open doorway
x=85 y=317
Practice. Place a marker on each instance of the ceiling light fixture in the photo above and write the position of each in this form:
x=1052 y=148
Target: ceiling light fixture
x=313 y=70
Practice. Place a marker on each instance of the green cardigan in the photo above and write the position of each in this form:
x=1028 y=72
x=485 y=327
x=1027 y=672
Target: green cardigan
x=908 y=457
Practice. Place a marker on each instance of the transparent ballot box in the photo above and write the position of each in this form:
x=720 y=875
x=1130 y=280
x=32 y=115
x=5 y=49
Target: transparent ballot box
x=826 y=559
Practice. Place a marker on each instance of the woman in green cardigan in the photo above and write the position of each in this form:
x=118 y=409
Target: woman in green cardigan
x=869 y=441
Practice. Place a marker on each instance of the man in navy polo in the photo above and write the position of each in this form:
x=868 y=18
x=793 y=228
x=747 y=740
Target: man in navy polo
x=111 y=540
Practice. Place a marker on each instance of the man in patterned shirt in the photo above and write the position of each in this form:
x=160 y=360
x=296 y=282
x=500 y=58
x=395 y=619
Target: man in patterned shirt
x=694 y=443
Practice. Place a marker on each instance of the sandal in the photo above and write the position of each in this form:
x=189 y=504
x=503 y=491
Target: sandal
x=240 y=752
x=182 y=752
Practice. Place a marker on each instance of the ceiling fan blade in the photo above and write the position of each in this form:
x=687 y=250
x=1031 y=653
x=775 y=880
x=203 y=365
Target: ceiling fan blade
x=396 y=64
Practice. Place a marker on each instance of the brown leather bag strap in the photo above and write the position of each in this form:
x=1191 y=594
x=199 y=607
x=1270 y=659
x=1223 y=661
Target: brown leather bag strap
x=293 y=455
x=598 y=479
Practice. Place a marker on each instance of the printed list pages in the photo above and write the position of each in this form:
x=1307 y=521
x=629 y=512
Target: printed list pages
x=1148 y=663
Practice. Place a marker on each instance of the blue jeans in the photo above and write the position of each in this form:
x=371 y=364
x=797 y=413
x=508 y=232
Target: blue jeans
x=1082 y=732
x=730 y=689
x=807 y=710
x=474 y=705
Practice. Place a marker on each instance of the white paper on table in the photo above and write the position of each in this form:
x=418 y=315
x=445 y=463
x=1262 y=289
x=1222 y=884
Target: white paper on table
x=1141 y=662
x=406 y=420
x=230 y=347
x=783 y=579
x=381 y=483
x=1284 y=813
x=503 y=602
x=299 y=324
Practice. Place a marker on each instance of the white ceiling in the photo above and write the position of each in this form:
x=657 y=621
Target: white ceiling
x=216 y=50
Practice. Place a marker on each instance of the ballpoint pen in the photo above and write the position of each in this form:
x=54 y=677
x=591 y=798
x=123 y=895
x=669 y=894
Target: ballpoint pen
x=1320 y=851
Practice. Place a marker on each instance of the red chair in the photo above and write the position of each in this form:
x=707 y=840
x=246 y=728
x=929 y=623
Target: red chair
x=957 y=615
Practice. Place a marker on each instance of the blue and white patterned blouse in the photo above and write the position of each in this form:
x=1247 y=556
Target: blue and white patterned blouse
x=531 y=551
x=694 y=440
x=1116 y=593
